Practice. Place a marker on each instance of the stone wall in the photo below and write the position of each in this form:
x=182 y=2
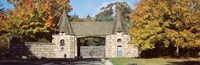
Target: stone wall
x=113 y=41
x=69 y=49
x=33 y=50
x=46 y=50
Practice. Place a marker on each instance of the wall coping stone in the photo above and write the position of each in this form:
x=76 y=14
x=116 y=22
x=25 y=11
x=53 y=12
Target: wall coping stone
x=38 y=43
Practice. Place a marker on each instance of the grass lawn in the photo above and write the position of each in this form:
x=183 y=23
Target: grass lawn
x=155 y=61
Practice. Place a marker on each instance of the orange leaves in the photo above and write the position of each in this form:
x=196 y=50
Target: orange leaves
x=1 y=27
x=49 y=19
x=180 y=40
x=46 y=7
x=185 y=33
x=49 y=23
x=191 y=43
x=24 y=26
x=3 y=20
x=166 y=21
x=33 y=16
x=32 y=23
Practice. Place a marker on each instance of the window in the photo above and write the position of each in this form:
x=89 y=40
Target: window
x=119 y=40
x=62 y=42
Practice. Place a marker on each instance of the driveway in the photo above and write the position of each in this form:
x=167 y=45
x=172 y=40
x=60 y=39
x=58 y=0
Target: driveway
x=51 y=62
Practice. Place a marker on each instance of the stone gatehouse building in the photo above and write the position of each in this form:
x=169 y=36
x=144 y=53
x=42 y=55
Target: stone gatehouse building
x=64 y=43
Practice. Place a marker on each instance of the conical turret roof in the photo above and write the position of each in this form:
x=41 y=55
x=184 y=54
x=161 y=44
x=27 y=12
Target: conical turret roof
x=64 y=26
x=119 y=25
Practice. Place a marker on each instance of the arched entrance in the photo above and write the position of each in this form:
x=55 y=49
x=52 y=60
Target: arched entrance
x=91 y=47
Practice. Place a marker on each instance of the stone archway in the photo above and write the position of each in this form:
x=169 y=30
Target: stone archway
x=91 y=47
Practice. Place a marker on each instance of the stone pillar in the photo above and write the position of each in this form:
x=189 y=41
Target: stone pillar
x=68 y=49
x=120 y=40
x=75 y=41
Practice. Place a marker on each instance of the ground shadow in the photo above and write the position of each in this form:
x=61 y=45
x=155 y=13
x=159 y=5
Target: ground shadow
x=185 y=63
x=169 y=52
x=18 y=49
x=52 y=62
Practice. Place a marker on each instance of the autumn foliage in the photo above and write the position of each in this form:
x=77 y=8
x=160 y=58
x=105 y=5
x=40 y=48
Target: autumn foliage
x=34 y=18
x=166 y=22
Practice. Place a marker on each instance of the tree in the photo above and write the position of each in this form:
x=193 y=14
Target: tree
x=107 y=11
x=35 y=19
x=89 y=19
x=2 y=18
x=166 y=22
x=73 y=17
x=105 y=15
x=4 y=38
x=91 y=41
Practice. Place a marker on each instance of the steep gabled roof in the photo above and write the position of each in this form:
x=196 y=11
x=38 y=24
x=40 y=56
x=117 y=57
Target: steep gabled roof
x=64 y=26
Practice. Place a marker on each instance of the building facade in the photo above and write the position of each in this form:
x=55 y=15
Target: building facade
x=64 y=43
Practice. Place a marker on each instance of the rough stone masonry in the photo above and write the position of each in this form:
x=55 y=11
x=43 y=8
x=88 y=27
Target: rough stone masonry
x=64 y=43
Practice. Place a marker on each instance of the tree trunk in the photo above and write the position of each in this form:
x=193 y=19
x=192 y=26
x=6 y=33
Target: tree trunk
x=177 y=51
x=139 y=52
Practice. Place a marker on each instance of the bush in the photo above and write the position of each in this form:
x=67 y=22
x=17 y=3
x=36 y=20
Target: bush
x=4 y=44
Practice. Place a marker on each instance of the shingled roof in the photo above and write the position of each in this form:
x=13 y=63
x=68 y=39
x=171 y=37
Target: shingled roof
x=64 y=26
x=119 y=25
x=91 y=28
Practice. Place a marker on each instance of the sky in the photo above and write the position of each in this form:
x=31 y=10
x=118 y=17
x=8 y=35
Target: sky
x=84 y=7
x=92 y=7
x=6 y=5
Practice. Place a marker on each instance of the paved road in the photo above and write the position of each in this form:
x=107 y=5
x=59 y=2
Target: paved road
x=47 y=62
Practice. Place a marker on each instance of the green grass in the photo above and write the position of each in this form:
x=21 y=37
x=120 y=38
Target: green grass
x=155 y=61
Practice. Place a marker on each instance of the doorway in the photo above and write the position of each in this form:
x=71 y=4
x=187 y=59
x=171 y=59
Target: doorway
x=119 y=51
x=91 y=47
